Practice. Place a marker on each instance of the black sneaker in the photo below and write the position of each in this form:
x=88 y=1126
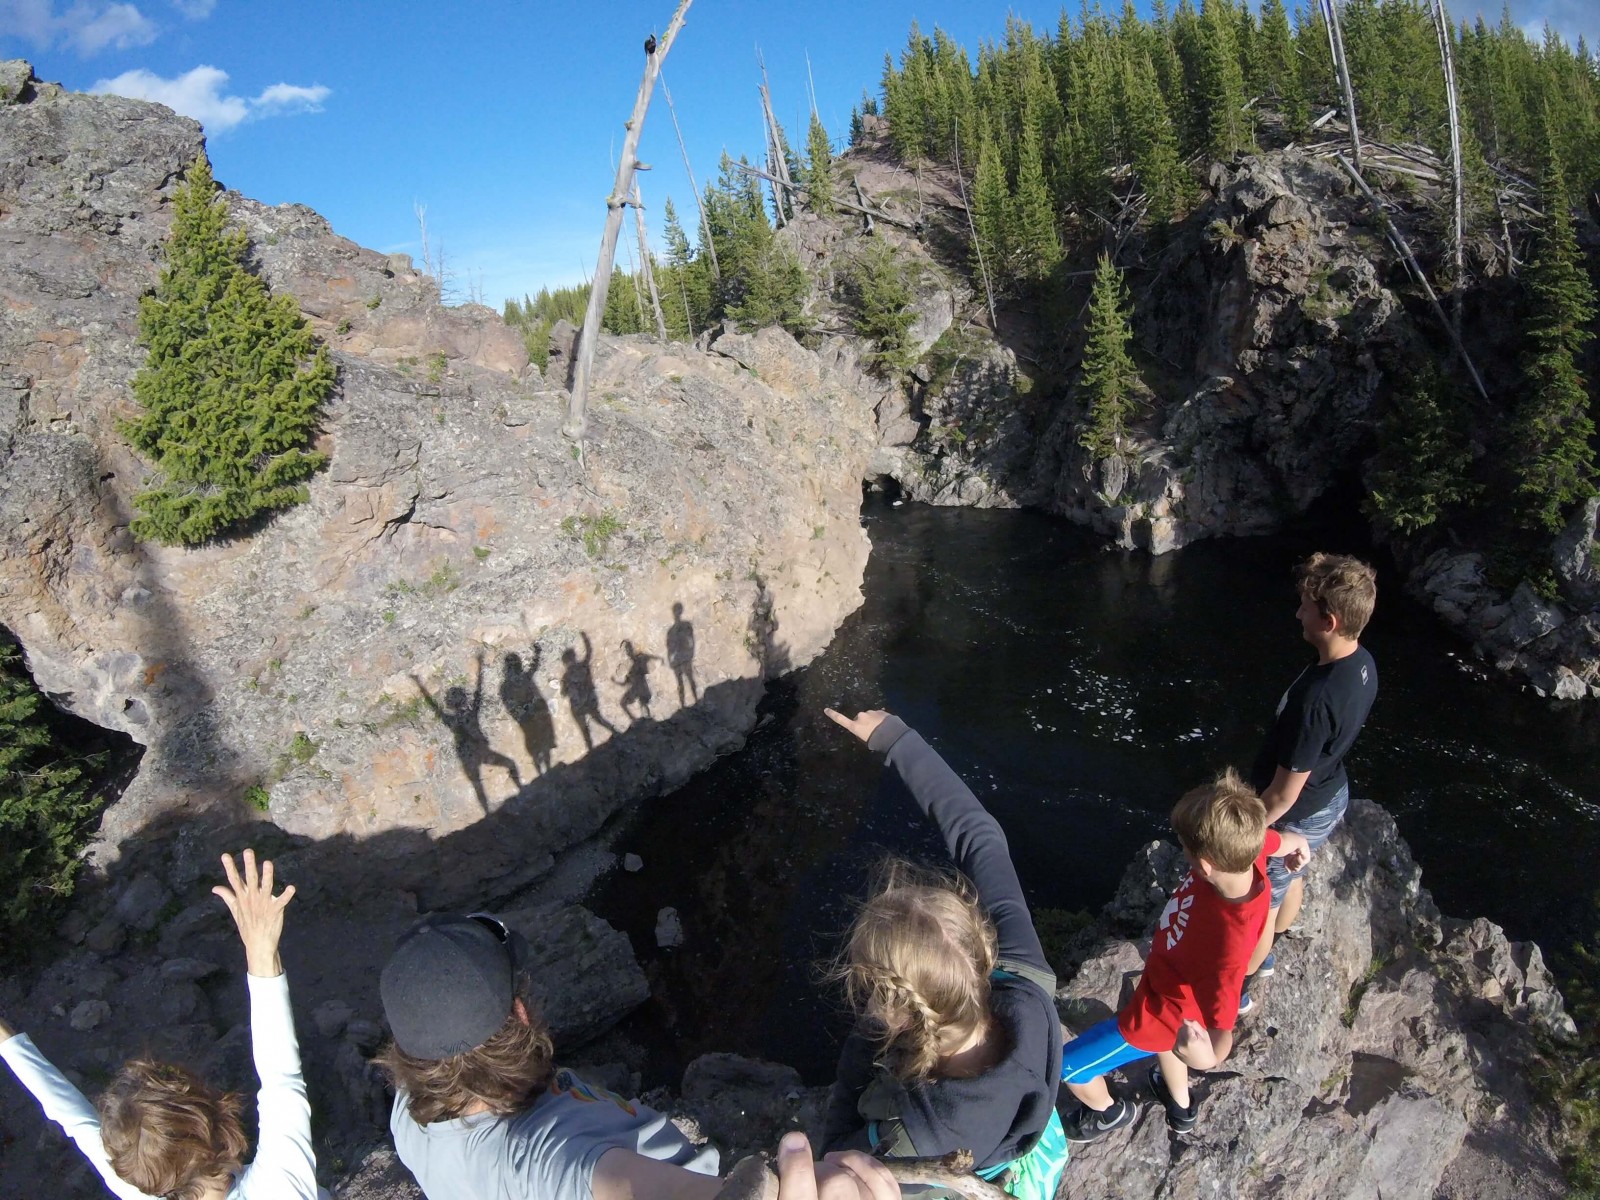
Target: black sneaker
x=1179 y=1120
x=1087 y=1125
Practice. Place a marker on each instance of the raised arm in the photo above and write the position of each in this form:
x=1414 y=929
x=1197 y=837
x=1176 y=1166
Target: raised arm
x=63 y=1104
x=285 y=1163
x=974 y=838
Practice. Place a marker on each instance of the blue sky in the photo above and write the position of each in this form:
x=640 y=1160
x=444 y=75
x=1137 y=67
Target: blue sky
x=502 y=117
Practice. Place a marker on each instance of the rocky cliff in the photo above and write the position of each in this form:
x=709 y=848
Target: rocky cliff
x=1269 y=325
x=462 y=608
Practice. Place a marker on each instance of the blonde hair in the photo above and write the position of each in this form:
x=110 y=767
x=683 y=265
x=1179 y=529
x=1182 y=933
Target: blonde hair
x=504 y=1073
x=1340 y=586
x=917 y=962
x=1223 y=822
x=169 y=1133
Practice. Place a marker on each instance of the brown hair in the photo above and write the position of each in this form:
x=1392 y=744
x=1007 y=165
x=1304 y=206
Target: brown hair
x=917 y=964
x=1223 y=822
x=1341 y=587
x=503 y=1073
x=168 y=1132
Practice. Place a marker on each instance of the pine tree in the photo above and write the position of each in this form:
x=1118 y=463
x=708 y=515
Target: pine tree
x=879 y=298
x=1552 y=433
x=1222 y=83
x=1109 y=376
x=1423 y=460
x=233 y=387
x=819 y=175
x=991 y=213
x=47 y=808
x=1031 y=221
x=1277 y=70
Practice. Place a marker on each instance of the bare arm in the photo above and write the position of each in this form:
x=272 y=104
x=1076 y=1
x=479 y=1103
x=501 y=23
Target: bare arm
x=622 y=1174
x=6 y=1032
x=1283 y=791
x=1294 y=850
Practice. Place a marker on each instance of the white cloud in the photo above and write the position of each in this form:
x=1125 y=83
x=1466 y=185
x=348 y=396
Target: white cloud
x=201 y=94
x=195 y=10
x=289 y=98
x=88 y=26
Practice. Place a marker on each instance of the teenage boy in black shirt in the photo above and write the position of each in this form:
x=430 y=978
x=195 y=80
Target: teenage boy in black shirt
x=1300 y=771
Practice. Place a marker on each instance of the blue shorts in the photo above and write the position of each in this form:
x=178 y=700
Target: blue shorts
x=1098 y=1049
x=1316 y=829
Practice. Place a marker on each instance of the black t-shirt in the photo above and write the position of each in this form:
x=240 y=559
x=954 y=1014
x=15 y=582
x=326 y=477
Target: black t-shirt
x=1317 y=722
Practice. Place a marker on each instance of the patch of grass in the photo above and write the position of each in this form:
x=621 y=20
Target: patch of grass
x=343 y=326
x=307 y=611
x=375 y=301
x=303 y=748
x=480 y=552
x=438 y=363
x=388 y=616
x=258 y=798
x=444 y=580
x=818 y=532
x=1359 y=988
x=394 y=712
x=595 y=532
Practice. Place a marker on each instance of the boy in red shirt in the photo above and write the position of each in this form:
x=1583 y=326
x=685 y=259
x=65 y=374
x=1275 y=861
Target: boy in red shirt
x=1187 y=1002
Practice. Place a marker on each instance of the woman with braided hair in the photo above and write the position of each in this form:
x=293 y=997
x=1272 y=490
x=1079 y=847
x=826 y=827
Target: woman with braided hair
x=957 y=1044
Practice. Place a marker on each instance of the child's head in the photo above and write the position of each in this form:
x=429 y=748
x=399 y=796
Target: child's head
x=1223 y=822
x=467 y=1035
x=1341 y=587
x=168 y=1133
x=917 y=964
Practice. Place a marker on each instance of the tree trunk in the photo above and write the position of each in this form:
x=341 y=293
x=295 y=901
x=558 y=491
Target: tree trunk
x=1441 y=21
x=577 y=422
x=645 y=265
x=1336 y=46
x=699 y=200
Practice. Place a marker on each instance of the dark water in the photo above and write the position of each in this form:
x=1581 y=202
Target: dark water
x=1079 y=690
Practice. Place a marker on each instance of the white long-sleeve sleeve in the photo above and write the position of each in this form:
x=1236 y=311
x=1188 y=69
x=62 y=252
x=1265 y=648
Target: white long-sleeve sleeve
x=285 y=1164
x=67 y=1107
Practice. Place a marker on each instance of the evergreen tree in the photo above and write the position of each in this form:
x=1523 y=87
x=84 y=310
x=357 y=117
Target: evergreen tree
x=1552 y=433
x=686 y=282
x=47 y=808
x=1423 y=458
x=991 y=213
x=1222 y=82
x=624 y=311
x=1109 y=376
x=819 y=176
x=1153 y=142
x=1031 y=221
x=233 y=387
x=879 y=298
x=1277 y=70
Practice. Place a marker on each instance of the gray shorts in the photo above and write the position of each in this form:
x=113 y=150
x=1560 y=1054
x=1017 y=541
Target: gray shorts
x=1316 y=829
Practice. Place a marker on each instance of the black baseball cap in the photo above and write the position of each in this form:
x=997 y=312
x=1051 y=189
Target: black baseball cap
x=450 y=983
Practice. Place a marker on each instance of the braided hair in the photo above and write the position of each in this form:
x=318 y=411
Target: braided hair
x=916 y=965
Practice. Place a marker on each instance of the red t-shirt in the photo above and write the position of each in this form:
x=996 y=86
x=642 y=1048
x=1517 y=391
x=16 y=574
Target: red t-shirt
x=1198 y=957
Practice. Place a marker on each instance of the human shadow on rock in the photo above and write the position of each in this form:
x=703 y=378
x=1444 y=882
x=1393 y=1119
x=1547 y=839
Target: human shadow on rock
x=635 y=681
x=680 y=654
x=526 y=705
x=461 y=715
x=577 y=685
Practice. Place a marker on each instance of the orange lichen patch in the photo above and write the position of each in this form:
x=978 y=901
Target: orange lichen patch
x=15 y=305
x=153 y=671
x=342 y=283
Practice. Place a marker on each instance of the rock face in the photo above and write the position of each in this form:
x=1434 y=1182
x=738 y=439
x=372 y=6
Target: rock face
x=1387 y=1041
x=1268 y=309
x=462 y=608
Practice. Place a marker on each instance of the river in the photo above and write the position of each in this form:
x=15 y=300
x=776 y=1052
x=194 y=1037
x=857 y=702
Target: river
x=1080 y=690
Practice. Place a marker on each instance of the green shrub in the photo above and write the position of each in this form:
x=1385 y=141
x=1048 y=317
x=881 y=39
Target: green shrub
x=47 y=807
x=233 y=387
x=594 y=532
x=258 y=798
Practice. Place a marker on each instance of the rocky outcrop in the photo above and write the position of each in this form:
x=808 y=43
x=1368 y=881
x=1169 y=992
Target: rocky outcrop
x=463 y=607
x=1390 y=1055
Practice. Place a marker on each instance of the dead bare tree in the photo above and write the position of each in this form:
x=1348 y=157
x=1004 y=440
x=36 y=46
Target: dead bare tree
x=699 y=200
x=972 y=228
x=577 y=422
x=1415 y=268
x=645 y=264
x=777 y=156
x=1441 y=23
x=1330 y=9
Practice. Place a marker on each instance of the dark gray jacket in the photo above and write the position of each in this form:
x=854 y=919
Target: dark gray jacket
x=997 y=1115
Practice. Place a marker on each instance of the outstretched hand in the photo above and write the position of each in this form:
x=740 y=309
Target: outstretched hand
x=256 y=911
x=864 y=725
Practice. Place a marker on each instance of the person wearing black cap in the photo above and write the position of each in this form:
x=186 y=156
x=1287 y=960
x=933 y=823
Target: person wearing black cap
x=481 y=1109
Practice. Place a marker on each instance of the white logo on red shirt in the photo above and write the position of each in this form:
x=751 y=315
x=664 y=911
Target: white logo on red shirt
x=1175 y=916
